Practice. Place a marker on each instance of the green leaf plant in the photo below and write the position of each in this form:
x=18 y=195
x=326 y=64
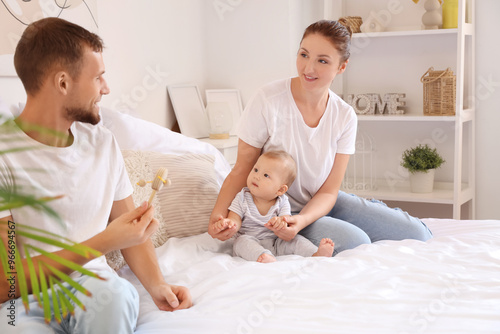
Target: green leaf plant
x=421 y=158
x=39 y=274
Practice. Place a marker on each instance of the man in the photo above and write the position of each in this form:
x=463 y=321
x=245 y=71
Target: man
x=61 y=67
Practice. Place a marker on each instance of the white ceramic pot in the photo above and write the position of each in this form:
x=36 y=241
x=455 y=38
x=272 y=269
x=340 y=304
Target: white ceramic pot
x=421 y=182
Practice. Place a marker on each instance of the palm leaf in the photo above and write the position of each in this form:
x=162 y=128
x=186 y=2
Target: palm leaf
x=65 y=303
x=17 y=149
x=39 y=283
x=73 y=266
x=75 y=248
x=63 y=277
x=72 y=296
x=21 y=278
x=9 y=126
x=45 y=295
x=4 y=257
x=10 y=200
x=62 y=301
x=35 y=287
x=79 y=249
x=55 y=300
x=48 y=277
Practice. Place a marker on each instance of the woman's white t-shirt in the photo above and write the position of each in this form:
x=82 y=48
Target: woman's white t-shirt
x=272 y=121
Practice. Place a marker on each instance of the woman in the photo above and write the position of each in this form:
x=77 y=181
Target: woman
x=303 y=117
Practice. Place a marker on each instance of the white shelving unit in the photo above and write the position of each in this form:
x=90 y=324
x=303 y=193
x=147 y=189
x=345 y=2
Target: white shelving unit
x=422 y=49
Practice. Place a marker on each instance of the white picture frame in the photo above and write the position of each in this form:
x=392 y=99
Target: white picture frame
x=189 y=110
x=232 y=97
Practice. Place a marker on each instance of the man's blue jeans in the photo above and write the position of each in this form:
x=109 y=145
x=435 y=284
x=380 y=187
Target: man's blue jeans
x=112 y=308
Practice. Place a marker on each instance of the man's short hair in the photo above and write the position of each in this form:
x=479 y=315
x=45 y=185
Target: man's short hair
x=49 y=44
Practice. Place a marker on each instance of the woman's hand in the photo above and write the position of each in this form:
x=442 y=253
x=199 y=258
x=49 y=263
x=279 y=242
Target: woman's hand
x=222 y=228
x=287 y=231
x=234 y=182
x=276 y=223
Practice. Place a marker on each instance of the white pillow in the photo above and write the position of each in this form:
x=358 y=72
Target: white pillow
x=183 y=208
x=133 y=133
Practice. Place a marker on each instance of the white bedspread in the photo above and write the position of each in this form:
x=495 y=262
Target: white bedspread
x=450 y=284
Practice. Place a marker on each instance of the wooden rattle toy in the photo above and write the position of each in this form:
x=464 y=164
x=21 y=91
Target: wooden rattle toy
x=159 y=181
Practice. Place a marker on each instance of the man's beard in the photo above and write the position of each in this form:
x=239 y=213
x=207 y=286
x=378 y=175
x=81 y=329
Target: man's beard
x=82 y=115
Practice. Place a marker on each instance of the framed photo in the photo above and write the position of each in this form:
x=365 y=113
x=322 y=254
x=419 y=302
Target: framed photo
x=189 y=110
x=232 y=97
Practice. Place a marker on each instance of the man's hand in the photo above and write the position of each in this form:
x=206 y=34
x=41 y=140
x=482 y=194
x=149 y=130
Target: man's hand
x=222 y=228
x=171 y=297
x=132 y=228
x=286 y=227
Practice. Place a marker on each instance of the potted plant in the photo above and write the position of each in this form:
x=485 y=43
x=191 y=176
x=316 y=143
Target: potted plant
x=421 y=161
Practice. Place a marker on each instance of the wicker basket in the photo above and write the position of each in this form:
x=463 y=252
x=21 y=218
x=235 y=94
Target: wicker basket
x=353 y=22
x=439 y=92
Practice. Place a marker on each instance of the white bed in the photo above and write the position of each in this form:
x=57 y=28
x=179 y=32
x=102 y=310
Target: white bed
x=450 y=284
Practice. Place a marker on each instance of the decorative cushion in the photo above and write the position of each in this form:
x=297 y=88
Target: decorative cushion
x=183 y=208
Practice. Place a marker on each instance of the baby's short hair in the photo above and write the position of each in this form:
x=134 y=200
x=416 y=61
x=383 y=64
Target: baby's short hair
x=288 y=164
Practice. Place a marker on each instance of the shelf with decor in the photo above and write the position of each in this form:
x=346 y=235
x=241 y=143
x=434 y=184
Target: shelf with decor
x=395 y=60
x=442 y=194
x=405 y=33
x=466 y=116
x=404 y=118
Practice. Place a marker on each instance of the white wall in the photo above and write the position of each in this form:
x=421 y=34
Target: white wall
x=255 y=41
x=11 y=90
x=244 y=44
x=488 y=108
x=149 y=45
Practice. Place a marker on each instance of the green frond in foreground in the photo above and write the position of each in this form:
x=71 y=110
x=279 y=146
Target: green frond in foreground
x=23 y=285
x=10 y=201
x=43 y=276
x=39 y=275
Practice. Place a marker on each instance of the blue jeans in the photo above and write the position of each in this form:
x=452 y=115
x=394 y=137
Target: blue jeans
x=354 y=221
x=112 y=308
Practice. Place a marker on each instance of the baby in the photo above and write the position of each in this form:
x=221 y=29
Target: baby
x=262 y=205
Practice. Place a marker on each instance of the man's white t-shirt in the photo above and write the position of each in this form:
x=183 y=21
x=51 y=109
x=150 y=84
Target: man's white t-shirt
x=90 y=175
x=272 y=121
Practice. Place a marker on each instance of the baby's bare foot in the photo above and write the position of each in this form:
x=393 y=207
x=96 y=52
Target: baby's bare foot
x=266 y=258
x=325 y=248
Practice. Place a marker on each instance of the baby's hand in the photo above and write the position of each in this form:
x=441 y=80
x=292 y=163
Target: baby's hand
x=276 y=223
x=222 y=224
